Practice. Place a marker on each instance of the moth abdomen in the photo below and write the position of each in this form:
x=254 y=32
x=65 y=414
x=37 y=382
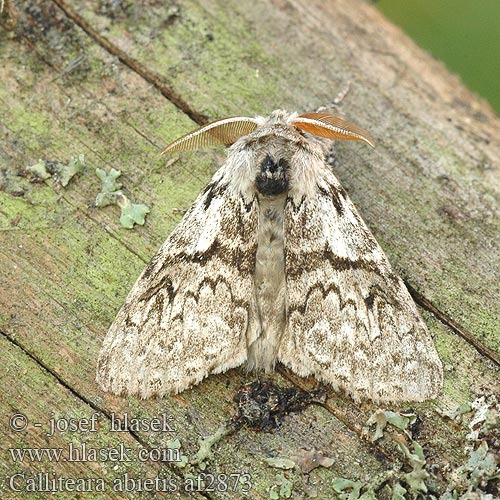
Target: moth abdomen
x=272 y=178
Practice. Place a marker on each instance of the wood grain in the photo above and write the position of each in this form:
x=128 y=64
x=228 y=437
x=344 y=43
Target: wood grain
x=116 y=81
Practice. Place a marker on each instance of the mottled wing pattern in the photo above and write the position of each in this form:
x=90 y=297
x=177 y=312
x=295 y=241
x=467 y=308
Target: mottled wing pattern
x=351 y=321
x=187 y=314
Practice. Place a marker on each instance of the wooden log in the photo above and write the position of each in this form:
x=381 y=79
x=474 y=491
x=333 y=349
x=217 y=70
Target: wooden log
x=116 y=81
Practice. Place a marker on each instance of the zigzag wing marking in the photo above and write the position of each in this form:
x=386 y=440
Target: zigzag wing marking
x=351 y=321
x=188 y=312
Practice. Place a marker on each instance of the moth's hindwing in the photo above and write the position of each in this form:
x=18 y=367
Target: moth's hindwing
x=188 y=312
x=351 y=321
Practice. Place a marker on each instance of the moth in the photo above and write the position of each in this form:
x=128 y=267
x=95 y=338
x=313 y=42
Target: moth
x=271 y=263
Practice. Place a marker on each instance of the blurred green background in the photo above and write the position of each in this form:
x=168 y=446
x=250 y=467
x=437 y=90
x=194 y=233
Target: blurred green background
x=464 y=34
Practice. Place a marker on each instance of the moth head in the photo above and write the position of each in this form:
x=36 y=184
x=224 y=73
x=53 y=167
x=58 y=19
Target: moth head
x=228 y=130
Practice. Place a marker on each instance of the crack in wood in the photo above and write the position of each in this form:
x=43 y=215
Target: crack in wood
x=353 y=427
x=446 y=320
x=150 y=76
x=85 y=400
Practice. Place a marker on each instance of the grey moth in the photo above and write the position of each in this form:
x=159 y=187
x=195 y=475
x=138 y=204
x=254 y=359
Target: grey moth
x=272 y=263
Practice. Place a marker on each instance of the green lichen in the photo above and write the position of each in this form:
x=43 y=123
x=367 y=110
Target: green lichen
x=282 y=488
x=67 y=171
x=111 y=194
x=461 y=410
x=175 y=444
x=398 y=492
x=381 y=418
x=474 y=476
x=132 y=213
x=415 y=479
x=39 y=169
x=280 y=463
x=62 y=172
x=205 y=450
x=190 y=49
x=110 y=187
x=478 y=477
x=353 y=490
